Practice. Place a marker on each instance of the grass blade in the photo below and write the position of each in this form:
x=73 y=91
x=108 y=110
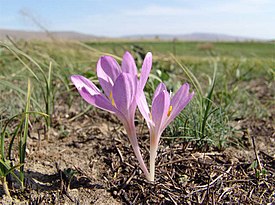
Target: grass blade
x=24 y=135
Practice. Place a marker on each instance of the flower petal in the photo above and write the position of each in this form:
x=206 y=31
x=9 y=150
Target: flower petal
x=145 y=70
x=80 y=82
x=105 y=81
x=144 y=109
x=124 y=93
x=91 y=94
x=160 y=107
x=110 y=66
x=179 y=101
x=128 y=64
x=179 y=95
x=161 y=87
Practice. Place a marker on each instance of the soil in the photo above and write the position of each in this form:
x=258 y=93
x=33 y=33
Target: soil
x=88 y=160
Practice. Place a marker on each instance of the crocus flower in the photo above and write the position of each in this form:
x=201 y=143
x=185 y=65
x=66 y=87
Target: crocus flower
x=163 y=112
x=120 y=86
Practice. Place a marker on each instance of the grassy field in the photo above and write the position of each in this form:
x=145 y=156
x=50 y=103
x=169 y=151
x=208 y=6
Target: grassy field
x=232 y=109
x=193 y=49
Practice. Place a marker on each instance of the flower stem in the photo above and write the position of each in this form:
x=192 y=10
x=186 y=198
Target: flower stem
x=153 y=155
x=131 y=131
x=140 y=159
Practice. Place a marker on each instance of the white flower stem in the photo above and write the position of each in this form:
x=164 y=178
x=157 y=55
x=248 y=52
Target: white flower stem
x=131 y=131
x=140 y=160
x=153 y=155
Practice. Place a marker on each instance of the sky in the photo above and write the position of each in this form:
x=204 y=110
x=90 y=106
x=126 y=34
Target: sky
x=115 y=18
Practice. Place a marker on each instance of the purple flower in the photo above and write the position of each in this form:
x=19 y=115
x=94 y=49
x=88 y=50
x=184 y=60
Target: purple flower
x=120 y=86
x=163 y=112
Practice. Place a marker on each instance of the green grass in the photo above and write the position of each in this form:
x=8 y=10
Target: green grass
x=9 y=133
x=193 y=49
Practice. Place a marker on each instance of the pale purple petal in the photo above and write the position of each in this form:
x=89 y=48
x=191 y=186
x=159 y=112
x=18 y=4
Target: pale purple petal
x=179 y=96
x=80 y=82
x=144 y=109
x=128 y=64
x=124 y=93
x=145 y=70
x=179 y=102
x=98 y=100
x=160 y=107
x=110 y=66
x=161 y=87
x=105 y=81
x=91 y=94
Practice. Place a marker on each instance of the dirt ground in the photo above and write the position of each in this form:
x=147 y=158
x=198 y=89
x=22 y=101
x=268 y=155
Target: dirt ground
x=88 y=160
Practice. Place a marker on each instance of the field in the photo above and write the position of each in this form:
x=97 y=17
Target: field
x=57 y=149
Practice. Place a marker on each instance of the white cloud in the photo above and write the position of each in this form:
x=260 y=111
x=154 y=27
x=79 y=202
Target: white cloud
x=229 y=18
x=228 y=7
x=155 y=10
x=261 y=2
x=241 y=7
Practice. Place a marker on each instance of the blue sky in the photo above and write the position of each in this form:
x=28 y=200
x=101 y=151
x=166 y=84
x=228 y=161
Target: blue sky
x=251 y=18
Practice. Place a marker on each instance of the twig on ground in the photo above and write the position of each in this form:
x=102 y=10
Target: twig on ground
x=217 y=178
x=259 y=165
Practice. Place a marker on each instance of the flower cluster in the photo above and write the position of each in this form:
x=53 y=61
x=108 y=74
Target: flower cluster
x=123 y=93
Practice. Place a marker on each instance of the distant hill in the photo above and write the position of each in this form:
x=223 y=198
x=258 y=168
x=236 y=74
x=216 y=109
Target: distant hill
x=39 y=35
x=193 y=37
x=71 y=35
